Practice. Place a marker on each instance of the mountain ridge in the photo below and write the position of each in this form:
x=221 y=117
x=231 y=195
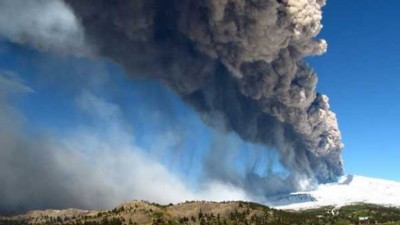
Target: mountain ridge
x=204 y=213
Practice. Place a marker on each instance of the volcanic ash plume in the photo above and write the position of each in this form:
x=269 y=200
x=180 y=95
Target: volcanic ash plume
x=238 y=62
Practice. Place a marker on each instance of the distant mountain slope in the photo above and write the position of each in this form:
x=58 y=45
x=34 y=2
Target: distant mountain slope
x=349 y=190
x=140 y=212
x=352 y=200
x=207 y=213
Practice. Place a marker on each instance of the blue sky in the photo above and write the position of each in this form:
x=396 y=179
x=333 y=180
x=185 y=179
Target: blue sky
x=358 y=73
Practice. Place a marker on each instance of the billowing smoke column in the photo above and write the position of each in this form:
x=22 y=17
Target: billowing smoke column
x=238 y=62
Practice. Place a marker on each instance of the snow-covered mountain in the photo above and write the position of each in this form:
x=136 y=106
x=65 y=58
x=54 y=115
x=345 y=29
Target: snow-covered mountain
x=349 y=190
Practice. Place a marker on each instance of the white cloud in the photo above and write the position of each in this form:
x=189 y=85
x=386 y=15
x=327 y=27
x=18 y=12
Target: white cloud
x=11 y=83
x=91 y=166
x=123 y=169
x=48 y=25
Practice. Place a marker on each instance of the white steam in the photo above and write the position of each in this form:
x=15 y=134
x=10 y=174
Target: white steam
x=90 y=167
x=48 y=25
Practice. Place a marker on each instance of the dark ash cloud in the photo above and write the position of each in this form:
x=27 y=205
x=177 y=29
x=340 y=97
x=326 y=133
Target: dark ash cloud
x=239 y=63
